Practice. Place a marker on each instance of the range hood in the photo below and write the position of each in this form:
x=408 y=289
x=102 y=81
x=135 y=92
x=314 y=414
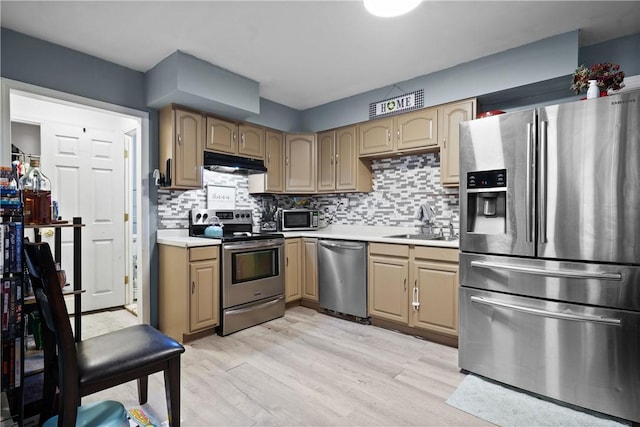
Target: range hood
x=227 y=163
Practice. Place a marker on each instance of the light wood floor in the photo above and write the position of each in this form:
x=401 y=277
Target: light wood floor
x=304 y=369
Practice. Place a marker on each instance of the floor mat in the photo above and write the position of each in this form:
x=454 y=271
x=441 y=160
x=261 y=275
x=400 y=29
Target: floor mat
x=508 y=407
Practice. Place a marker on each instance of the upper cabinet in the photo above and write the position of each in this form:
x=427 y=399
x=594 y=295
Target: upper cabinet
x=274 y=159
x=326 y=159
x=451 y=116
x=300 y=163
x=181 y=143
x=376 y=136
x=339 y=167
x=273 y=180
x=416 y=131
x=242 y=140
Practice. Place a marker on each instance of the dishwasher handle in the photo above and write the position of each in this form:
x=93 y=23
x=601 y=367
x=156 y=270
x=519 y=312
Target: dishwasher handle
x=341 y=244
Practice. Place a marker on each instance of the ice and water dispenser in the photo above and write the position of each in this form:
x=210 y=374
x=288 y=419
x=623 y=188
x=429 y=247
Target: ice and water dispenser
x=486 y=201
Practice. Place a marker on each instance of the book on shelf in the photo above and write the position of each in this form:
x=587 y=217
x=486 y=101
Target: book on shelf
x=12 y=233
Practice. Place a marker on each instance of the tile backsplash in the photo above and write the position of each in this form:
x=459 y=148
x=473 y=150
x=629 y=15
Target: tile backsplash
x=400 y=185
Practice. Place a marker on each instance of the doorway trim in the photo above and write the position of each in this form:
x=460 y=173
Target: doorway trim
x=144 y=227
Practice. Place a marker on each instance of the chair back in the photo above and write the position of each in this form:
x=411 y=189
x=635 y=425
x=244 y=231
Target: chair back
x=50 y=300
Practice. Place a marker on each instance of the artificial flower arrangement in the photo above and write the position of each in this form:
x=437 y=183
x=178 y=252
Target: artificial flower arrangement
x=608 y=76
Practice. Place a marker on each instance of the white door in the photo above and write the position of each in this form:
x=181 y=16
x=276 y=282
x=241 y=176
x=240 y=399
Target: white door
x=86 y=168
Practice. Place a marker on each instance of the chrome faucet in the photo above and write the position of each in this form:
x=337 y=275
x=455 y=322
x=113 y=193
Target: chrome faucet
x=451 y=230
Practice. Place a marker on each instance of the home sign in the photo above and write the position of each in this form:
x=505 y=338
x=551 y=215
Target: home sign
x=406 y=102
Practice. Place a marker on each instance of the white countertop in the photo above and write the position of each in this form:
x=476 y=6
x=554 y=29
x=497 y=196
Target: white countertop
x=180 y=237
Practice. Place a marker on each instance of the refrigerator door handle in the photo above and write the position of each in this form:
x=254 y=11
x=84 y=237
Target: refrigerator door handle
x=572 y=274
x=528 y=202
x=546 y=313
x=543 y=181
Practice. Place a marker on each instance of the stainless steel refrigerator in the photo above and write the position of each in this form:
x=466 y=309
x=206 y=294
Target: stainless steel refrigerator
x=550 y=251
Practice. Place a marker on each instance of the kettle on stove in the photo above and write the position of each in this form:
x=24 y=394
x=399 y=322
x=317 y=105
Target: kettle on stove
x=215 y=229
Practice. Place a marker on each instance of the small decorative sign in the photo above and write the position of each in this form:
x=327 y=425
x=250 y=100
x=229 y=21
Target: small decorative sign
x=407 y=102
x=220 y=197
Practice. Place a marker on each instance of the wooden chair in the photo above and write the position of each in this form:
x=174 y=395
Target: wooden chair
x=91 y=365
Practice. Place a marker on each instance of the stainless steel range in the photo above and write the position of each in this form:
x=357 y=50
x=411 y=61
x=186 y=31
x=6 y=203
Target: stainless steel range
x=251 y=270
x=550 y=241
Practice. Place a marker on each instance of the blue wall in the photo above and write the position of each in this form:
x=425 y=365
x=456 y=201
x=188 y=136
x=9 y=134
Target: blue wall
x=41 y=63
x=624 y=51
x=542 y=60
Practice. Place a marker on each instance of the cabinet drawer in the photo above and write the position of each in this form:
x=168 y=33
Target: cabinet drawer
x=389 y=249
x=205 y=252
x=440 y=254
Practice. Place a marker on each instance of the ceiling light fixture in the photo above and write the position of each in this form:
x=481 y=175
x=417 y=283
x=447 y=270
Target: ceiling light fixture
x=390 y=8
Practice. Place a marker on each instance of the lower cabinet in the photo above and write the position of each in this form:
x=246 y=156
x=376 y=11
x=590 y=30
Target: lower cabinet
x=389 y=281
x=189 y=290
x=434 y=294
x=414 y=286
x=293 y=269
x=310 y=269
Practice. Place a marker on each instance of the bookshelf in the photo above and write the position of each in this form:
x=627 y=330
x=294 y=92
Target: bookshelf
x=12 y=302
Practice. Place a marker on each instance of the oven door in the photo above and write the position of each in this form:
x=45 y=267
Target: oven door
x=251 y=271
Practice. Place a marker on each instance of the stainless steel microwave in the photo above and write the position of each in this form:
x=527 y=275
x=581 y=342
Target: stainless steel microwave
x=298 y=219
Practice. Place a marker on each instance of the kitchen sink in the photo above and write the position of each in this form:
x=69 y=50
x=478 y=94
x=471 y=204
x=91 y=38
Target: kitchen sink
x=422 y=237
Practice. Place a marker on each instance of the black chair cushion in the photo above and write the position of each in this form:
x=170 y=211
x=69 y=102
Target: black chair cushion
x=115 y=353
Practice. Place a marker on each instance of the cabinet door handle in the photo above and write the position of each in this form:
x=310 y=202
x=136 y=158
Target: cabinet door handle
x=234 y=136
x=398 y=134
x=242 y=138
x=444 y=140
x=193 y=287
x=287 y=262
x=405 y=284
x=179 y=139
x=269 y=158
x=287 y=161
x=388 y=136
x=416 y=298
x=337 y=159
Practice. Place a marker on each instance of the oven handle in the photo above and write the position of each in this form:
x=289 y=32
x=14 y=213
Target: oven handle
x=256 y=244
x=545 y=313
x=253 y=306
x=600 y=275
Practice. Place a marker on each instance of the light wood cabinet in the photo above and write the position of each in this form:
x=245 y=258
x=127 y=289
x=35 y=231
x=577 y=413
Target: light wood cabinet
x=434 y=294
x=388 y=281
x=310 y=269
x=451 y=117
x=273 y=180
x=416 y=131
x=181 y=141
x=189 y=289
x=414 y=286
x=375 y=136
x=243 y=139
x=339 y=167
x=293 y=269
x=300 y=163
x=274 y=144
x=326 y=159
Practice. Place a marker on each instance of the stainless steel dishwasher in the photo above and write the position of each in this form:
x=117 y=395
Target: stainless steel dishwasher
x=342 y=277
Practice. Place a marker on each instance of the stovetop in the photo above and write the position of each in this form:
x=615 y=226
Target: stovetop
x=243 y=237
x=237 y=225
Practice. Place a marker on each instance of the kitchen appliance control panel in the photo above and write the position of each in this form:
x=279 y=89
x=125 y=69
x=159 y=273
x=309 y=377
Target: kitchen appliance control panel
x=487 y=179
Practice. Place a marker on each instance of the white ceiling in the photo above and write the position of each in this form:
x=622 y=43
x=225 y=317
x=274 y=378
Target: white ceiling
x=307 y=53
